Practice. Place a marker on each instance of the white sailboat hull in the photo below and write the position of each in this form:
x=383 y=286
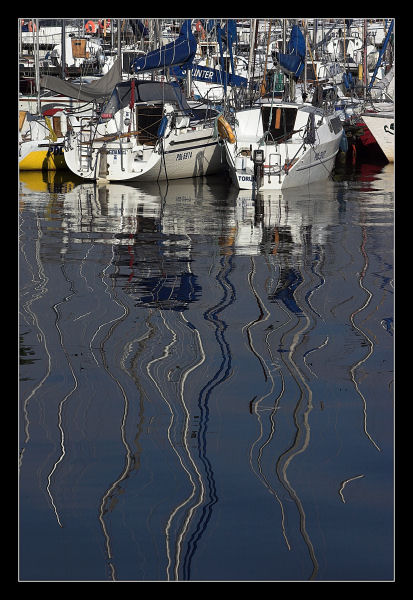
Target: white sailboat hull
x=193 y=154
x=314 y=165
x=286 y=165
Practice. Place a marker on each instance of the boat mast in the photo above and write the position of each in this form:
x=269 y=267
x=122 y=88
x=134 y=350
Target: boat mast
x=37 y=63
x=119 y=46
x=253 y=28
x=365 y=59
x=305 y=56
x=63 y=53
x=263 y=84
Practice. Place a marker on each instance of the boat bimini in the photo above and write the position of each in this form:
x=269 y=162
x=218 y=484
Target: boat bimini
x=281 y=144
x=146 y=131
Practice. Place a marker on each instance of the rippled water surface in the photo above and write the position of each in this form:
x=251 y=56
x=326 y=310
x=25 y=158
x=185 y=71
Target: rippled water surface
x=206 y=381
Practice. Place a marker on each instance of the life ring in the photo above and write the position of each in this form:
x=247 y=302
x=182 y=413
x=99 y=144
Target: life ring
x=225 y=130
x=102 y=23
x=31 y=26
x=90 y=27
x=200 y=29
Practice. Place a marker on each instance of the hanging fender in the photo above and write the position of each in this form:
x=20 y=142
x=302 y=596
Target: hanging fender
x=162 y=126
x=225 y=130
x=31 y=26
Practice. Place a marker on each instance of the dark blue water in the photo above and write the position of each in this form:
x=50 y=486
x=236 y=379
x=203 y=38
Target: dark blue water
x=206 y=382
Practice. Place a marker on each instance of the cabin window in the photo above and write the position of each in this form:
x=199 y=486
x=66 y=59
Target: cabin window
x=282 y=121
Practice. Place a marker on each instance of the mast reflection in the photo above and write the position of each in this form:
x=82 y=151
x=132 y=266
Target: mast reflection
x=175 y=308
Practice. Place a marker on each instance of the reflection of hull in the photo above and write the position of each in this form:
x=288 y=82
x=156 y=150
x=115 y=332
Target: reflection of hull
x=182 y=208
x=47 y=181
x=172 y=208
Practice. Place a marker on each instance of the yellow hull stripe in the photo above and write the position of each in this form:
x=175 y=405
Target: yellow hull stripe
x=42 y=160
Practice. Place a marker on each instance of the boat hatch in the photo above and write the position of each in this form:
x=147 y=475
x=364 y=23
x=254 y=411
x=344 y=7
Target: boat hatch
x=148 y=119
x=282 y=121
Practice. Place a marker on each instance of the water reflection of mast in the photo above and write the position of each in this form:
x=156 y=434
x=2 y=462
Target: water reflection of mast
x=221 y=375
x=129 y=457
x=64 y=400
x=27 y=307
x=295 y=285
x=370 y=352
x=291 y=282
x=302 y=437
x=198 y=489
x=255 y=405
x=185 y=459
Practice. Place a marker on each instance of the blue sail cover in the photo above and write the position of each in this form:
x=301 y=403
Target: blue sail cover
x=179 y=52
x=137 y=25
x=293 y=61
x=201 y=73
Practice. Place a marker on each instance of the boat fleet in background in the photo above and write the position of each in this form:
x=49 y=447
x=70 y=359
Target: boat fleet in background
x=274 y=102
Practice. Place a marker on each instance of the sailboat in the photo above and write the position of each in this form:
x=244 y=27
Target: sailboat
x=279 y=143
x=42 y=132
x=147 y=130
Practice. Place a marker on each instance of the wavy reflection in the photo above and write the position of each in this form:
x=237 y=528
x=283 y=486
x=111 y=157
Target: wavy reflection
x=64 y=399
x=296 y=318
x=198 y=378
x=38 y=285
x=222 y=374
x=369 y=341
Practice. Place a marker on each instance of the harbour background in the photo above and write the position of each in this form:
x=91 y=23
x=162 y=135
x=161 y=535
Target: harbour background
x=206 y=380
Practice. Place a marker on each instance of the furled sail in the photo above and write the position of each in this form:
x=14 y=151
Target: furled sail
x=179 y=52
x=292 y=62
